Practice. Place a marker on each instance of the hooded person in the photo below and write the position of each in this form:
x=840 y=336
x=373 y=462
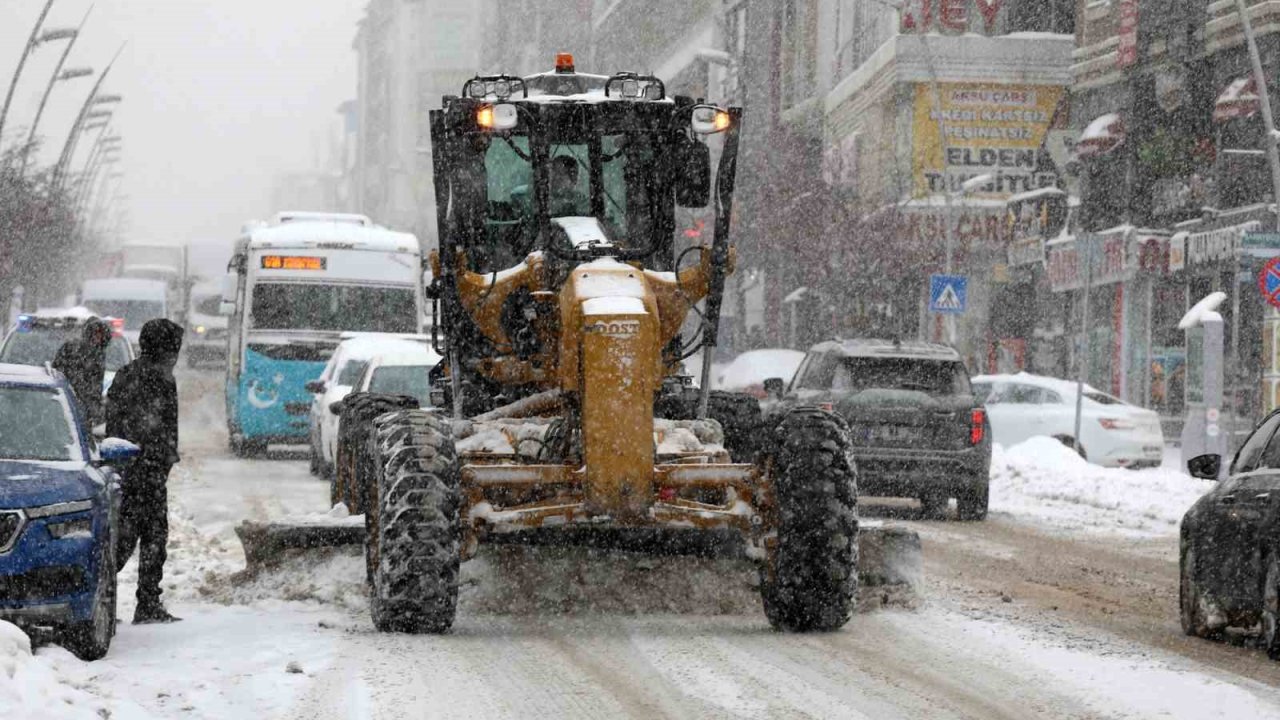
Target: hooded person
x=142 y=407
x=83 y=362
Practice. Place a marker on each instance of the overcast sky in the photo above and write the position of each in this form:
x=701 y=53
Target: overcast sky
x=221 y=96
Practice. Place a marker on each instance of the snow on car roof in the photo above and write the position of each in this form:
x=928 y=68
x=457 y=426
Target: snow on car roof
x=26 y=375
x=78 y=312
x=876 y=347
x=403 y=353
x=1065 y=387
x=755 y=366
x=367 y=347
x=124 y=289
x=307 y=233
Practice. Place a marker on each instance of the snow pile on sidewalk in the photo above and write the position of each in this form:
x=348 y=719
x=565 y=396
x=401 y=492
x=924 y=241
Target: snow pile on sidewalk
x=1044 y=481
x=34 y=687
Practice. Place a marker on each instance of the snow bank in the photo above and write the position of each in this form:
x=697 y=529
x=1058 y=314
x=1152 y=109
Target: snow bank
x=34 y=686
x=1044 y=481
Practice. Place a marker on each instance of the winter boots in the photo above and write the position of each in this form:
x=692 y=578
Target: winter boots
x=153 y=614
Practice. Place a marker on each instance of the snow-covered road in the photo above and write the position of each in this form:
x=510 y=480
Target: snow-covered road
x=1037 y=613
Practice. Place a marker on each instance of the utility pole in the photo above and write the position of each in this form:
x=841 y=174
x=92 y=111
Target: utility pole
x=1085 y=244
x=22 y=61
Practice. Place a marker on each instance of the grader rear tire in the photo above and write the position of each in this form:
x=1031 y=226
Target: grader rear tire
x=811 y=579
x=414 y=543
x=355 y=467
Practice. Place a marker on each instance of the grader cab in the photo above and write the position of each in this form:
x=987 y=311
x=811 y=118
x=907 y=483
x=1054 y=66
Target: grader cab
x=561 y=294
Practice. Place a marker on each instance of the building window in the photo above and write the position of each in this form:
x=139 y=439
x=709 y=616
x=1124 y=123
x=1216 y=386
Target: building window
x=862 y=26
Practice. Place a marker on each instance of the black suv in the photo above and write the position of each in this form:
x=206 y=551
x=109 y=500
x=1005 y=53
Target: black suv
x=917 y=429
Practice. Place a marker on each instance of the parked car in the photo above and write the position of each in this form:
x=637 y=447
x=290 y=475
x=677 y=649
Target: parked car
x=1230 y=543
x=1112 y=432
x=59 y=508
x=35 y=338
x=748 y=371
x=917 y=429
x=402 y=367
x=206 y=339
x=344 y=368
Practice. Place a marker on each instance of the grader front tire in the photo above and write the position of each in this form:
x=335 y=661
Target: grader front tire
x=811 y=580
x=413 y=549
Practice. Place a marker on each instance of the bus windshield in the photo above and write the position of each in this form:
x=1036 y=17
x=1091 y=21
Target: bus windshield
x=296 y=306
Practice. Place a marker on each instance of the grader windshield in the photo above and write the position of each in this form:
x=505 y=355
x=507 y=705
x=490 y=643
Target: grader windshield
x=617 y=150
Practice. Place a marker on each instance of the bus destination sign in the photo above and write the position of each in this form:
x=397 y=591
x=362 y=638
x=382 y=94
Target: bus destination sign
x=293 y=262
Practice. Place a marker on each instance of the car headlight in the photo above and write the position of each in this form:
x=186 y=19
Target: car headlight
x=81 y=527
x=64 y=528
x=200 y=330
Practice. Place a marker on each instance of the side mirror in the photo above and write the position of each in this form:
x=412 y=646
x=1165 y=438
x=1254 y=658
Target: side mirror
x=709 y=119
x=115 y=450
x=230 y=282
x=775 y=388
x=1205 y=467
x=336 y=407
x=315 y=387
x=693 y=185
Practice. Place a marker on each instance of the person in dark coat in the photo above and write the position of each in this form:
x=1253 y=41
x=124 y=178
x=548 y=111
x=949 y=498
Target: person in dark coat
x=83 y=361
x=142 y=407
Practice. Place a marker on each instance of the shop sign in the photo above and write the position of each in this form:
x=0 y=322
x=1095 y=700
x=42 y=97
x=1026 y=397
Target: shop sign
x=1261 y=245
x=963 y=130
x=1151 y=253
x=1216 y=246
x=953 y=16
x=926 y=228
x=1127 y=52
x=1066 y=261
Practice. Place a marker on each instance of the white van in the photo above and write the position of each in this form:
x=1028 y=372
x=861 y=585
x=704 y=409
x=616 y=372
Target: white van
x=132 y=299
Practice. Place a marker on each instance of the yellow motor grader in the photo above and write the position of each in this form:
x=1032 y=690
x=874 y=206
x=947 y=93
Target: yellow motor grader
x=560 y=298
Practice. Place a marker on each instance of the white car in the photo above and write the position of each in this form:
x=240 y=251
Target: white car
x=402 y=369
x=1112 y=432
x=340 y=375
x=749 y=370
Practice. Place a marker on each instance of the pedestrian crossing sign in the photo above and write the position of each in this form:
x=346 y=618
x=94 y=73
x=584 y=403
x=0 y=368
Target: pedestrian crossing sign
x=948 y=294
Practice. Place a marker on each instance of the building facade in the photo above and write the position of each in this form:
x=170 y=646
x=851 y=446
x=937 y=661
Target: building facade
x=411 y=53
x=1170 y=137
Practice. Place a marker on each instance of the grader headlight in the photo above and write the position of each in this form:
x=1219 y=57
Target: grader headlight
x=498 y=117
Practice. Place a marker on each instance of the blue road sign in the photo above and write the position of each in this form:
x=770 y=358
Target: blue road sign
x=948 y=294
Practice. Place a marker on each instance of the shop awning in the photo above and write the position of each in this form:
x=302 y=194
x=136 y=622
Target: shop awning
x=1238 y=100
x=1103 y=135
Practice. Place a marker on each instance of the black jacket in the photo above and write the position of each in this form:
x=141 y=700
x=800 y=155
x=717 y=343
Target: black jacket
x=83 y=361
x=142 y=404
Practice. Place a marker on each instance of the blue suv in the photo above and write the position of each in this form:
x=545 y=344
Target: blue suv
x=59 y=504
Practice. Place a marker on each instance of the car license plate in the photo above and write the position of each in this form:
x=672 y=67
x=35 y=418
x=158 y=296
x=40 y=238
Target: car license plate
x=893 y=434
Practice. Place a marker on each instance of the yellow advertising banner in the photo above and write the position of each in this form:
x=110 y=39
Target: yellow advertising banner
x=966 y=130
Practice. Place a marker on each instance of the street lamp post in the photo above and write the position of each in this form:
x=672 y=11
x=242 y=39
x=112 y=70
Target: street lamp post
x=1260 y=79
x=58 y=74
x=68 y=148
x=32 y=42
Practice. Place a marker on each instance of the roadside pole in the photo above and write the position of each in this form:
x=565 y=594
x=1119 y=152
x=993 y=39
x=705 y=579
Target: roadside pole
x=1085 y=241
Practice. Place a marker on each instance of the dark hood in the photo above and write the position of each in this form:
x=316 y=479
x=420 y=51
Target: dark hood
x=160 y=337
x=96 y=330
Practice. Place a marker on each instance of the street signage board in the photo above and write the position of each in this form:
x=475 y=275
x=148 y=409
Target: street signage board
x=948 y=294
x=1261 y=245
x=1269 y=282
